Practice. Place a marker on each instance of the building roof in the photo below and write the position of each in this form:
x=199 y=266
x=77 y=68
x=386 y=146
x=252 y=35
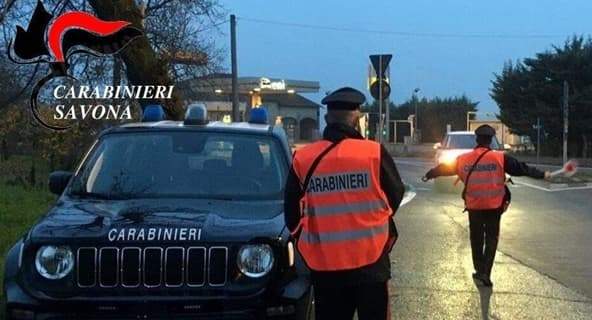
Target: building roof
x=289 y=100
x=223 y=81
x=212 y=96
x=283 y=99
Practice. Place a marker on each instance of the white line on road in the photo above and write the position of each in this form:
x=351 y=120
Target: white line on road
x=532 y=186
x=571 y=188
x=555 y=189
x=421 y=164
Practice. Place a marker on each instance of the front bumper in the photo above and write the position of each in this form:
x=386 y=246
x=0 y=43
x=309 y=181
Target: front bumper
x=291 y=301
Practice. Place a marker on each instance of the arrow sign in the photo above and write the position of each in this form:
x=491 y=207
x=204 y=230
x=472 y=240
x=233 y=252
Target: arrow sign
x=379 y=64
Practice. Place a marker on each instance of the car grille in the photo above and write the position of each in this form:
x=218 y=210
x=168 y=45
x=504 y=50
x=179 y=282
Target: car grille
x=151 y=267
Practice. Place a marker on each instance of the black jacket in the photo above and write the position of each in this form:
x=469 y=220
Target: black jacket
x=391 y=184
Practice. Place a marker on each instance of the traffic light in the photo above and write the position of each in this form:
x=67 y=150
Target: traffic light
x=375 y=88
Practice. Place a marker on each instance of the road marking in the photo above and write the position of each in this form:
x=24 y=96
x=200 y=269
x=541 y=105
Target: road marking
x=420 y=164
x=532 y=186
x=560 y=187
x=571 y=188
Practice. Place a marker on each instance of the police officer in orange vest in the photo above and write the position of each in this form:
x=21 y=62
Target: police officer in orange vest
x=340 y=197
x=483 y=172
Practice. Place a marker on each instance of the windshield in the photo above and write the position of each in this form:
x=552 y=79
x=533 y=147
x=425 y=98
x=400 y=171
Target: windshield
x=465 y=141
x=183 y=164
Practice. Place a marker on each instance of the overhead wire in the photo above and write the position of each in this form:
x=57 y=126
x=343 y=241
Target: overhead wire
x=402 y=33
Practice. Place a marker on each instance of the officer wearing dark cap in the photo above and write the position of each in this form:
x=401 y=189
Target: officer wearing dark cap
x=486 y=196
x=340 y=199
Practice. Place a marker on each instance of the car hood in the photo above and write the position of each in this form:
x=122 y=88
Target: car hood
x=158 y=220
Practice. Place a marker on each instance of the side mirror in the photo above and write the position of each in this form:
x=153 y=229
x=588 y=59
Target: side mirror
x=437 y=145
x=507 y=147
x=58 y=180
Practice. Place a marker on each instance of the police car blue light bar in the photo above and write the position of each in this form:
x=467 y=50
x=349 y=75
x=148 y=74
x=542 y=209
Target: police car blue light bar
x=196 y=114
x=153 y=113
x=258 y=116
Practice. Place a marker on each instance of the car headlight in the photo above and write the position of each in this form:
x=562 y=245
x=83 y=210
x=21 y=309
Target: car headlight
x=54 y=262
x=255 y=260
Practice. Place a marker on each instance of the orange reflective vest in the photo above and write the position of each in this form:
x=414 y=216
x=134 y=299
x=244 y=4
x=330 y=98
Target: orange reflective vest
x=486 y=186
x=345 y=214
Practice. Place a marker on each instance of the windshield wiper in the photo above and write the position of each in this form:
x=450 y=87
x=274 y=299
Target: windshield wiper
x=97 y=195
x=224 y=198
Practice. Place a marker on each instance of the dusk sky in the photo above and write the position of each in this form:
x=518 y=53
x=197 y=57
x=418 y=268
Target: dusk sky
x=446 y=48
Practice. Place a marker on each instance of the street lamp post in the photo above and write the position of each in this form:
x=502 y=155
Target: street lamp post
x=416 y=122
x=565 y=118
x=538 y=151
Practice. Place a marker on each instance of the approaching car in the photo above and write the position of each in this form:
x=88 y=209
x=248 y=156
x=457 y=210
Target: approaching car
x=454 y=144
x=165 y=219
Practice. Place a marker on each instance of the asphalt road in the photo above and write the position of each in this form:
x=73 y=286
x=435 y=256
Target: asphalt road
x=543 y=267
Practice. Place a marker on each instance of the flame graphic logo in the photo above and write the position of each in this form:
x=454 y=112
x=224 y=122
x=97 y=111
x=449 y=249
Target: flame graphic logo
x=53 y=40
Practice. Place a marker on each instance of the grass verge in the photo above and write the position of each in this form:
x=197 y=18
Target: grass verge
x=20 y=207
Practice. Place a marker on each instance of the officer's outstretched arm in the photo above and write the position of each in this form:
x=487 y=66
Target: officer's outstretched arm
x=516 y=168
x=439 y=171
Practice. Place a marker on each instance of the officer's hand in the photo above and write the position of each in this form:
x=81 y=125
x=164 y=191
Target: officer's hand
x=547 y=175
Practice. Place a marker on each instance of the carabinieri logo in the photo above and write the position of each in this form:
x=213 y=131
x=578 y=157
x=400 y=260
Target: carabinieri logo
x=53 y=40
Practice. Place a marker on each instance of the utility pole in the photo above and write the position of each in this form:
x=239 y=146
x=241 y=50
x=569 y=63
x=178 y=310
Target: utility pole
x=387 y=105
x=380 y=101
x=538 y=127
x=235 y=102
x=565 y=118
x=417 y=131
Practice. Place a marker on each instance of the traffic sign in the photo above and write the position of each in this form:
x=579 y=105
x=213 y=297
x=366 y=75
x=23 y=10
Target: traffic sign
x=380 y=89
x=380 y=63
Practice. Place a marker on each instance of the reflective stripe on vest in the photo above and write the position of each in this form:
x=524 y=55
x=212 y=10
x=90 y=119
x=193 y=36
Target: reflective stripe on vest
x=486 y=193
x=345 y=213
x=348 y=208
x=487 y=180
x=486 y=185
x=326 y=237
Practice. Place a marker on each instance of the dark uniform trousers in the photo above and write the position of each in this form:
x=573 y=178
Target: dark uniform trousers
x=370 y=300
x=484 y=232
